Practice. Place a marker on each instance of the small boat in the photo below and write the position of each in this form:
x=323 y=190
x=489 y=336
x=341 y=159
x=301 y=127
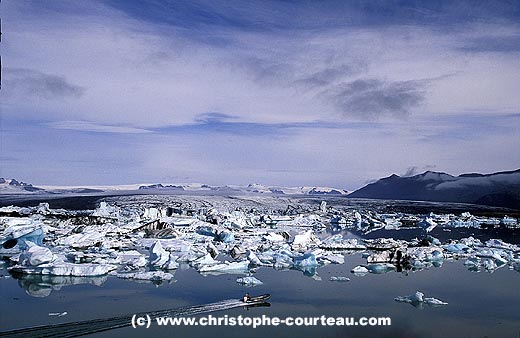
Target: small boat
x=258 y=299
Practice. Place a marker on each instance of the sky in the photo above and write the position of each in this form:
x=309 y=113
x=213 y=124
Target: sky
x=292 y=93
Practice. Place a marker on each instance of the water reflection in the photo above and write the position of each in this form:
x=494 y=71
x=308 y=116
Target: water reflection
x=43 y=285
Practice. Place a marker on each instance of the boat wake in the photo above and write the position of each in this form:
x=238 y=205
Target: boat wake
x=80 y=328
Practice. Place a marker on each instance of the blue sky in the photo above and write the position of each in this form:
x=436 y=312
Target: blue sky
x=331 y=93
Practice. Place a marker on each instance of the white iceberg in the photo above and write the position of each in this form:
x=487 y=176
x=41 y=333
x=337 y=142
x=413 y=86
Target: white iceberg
x=417 y=299
x=249 y=281
x=380 y=268
x=241 y=267
x=302 y=241
x=150 y=276
x=360 y=270
x=65 y=269
x=158 y=256
x=36 y=255
x=339 y=279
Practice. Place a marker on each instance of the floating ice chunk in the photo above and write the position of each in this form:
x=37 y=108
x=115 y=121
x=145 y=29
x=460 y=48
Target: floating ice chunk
x=172 y=263
x=337 y=242
x=282 y=261
x=302 y=241
x=274 y=237
x=151 y=213
x=380 y=268
x=36 y=255
x=19 y=234
x=417 y=299
x=83 y=240
x=158 y=256
x=249 y=281
x=132 y=258
x=457 y=248
x=382 y=243
x=434 y=301
x=493 y=254
x=470 y=241
x=427 y=223
x=333 y=258
x=499 y=244
x=65 y=269
x=150 y=275
x=392 y=223
x=339 y=279
x=206 y=230
x=426 y=254
x=253 y=258
x=237 y=219
x=380 y=257
x=226 y=236
x=206 y=260
x=489 y=264
x=227 y=267
x=106 y=210
x=360 y=270
x=313 y=221
x=306 y=260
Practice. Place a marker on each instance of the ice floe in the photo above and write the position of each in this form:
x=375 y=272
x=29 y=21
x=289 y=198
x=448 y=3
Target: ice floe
x=141 y=238
x=418 y=299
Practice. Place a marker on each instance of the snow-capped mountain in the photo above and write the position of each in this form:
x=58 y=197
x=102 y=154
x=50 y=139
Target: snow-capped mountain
x=497 y=189
x=13 y=186
x=251 y=188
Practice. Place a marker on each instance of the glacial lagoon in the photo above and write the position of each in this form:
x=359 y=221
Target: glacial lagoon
x=482 y=302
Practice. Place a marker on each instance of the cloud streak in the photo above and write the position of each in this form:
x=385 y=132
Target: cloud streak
x=97 y=128
x=23 y=82
x=372 y=98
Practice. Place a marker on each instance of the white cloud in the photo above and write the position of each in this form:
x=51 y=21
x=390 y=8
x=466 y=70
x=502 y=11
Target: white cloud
x=99 y=128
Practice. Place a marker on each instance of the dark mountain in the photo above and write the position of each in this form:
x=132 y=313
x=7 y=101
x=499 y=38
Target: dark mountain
x=497 y=189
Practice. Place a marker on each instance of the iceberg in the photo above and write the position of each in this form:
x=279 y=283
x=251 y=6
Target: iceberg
x=226 y=237
x=274 y=237
x=154 y=276
x=19 y=235
x=417 y=299
x=107 y=211
x=305 y=261
x=360 y=270
x=65 y=269
x=241 y=267
x=158 y=256
x=380 y=268
x=302 y=241
x=36 y=255
x=339 y=279
x=249 y=281
x=337 y=242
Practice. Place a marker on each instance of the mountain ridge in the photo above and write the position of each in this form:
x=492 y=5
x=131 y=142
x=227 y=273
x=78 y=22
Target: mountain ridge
x=500 y=189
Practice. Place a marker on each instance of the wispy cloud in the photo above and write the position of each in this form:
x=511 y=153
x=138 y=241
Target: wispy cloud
x=23 y=82
x=97 y=128
x=372 y=98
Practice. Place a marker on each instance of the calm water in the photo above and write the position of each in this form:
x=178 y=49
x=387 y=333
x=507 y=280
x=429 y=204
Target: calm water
x=480 y=304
